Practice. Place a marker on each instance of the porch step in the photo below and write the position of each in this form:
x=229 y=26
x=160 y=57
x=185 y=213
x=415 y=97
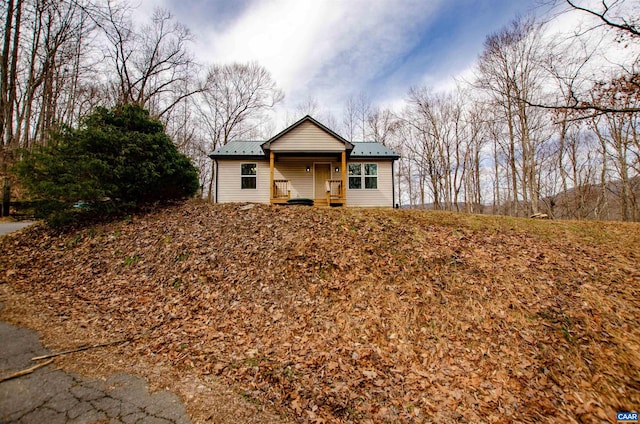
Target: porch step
x=320 y=202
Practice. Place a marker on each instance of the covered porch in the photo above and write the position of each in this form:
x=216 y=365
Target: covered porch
x=322 y=178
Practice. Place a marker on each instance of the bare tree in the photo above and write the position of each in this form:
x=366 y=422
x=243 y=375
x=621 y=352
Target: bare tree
x=382 y=125
x=611 y=14
x=8 y=68
x=234 y=101
x=617 y=16
x=547 y=159
x=307 y=106
x=310 y=105
x=510 y=72
x=152 y=64
x=618 y=134
x=48 y=70
x=405 y=138
x=477 y=137
x=442 y=149
x=349 y=118
x=355 y=115
x=40 y=40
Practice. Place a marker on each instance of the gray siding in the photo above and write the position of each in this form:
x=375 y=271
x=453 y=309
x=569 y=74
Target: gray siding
x=229 y=181
x=382 y=196
x=300 y=181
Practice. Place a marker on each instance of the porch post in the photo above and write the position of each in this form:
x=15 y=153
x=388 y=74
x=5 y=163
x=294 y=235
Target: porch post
x=344 y=177
x=271 y=164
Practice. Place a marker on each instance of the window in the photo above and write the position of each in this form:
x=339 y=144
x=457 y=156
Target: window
x=355 y=175
x=370 y=176
x=248 y=175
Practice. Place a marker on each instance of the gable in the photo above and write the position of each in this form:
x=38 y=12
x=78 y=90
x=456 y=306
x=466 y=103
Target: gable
x=307 y=137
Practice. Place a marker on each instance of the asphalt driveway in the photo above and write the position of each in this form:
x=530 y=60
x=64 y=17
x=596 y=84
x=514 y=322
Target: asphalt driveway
x=51 y=395
x=9 y=227
x=55 y=396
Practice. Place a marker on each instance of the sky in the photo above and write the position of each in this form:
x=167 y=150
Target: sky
x=330 y=50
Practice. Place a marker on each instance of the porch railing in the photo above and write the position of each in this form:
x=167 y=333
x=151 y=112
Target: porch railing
x=334 y=191
x=281 y=189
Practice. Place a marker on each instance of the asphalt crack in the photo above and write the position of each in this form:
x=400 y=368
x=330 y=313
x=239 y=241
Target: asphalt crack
x=55 y=396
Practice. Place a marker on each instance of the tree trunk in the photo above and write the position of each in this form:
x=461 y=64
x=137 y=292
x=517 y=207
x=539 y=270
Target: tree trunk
x=512 y=158
x=32 y=84
x=6 y=196
x=13 y=71
x=210 y=191
x=4 y=70
x=496 y=185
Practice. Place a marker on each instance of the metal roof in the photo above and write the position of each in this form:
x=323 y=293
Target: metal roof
x=361 y=149
x=371 y=149
x=239 y=148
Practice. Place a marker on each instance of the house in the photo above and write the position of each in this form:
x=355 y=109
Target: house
x=308 y=161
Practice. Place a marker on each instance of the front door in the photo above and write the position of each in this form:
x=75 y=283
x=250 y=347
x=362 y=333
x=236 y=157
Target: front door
x=322 y=173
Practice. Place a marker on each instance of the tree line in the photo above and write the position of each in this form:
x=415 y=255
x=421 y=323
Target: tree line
x=547 y=124
x=541 y=126
x=60 y=60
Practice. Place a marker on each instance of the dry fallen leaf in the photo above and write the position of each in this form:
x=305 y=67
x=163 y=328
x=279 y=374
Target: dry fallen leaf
x=358 y=315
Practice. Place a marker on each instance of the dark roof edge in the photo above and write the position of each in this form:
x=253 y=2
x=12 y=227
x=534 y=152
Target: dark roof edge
x=236 y=157
x=387 y=157
x=267 y=144
x=264 y=157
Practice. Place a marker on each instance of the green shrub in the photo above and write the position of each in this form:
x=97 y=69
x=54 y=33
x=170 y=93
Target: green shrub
x=119 y=159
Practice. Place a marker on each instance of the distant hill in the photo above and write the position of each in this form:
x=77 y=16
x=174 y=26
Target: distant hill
x=595 y=202
x=348 y=315
x=588 y=202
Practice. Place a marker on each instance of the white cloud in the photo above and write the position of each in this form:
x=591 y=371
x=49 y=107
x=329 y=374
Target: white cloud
x=285 y=36
x=331 y=49
x=327 y=49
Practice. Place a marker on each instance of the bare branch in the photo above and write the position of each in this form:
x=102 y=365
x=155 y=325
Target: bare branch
x=625 y=25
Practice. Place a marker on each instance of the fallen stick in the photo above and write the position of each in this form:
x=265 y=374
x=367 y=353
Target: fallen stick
x=94 y=346
x=80 y=349
x=25 y=372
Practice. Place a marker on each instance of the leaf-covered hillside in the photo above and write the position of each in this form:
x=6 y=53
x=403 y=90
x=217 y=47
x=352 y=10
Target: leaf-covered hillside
x=355 y=315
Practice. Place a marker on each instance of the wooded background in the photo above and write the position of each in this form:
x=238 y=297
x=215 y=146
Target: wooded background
x=546 y=123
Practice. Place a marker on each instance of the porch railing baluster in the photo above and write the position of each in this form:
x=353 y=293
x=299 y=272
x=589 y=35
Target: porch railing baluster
x=281 y=189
